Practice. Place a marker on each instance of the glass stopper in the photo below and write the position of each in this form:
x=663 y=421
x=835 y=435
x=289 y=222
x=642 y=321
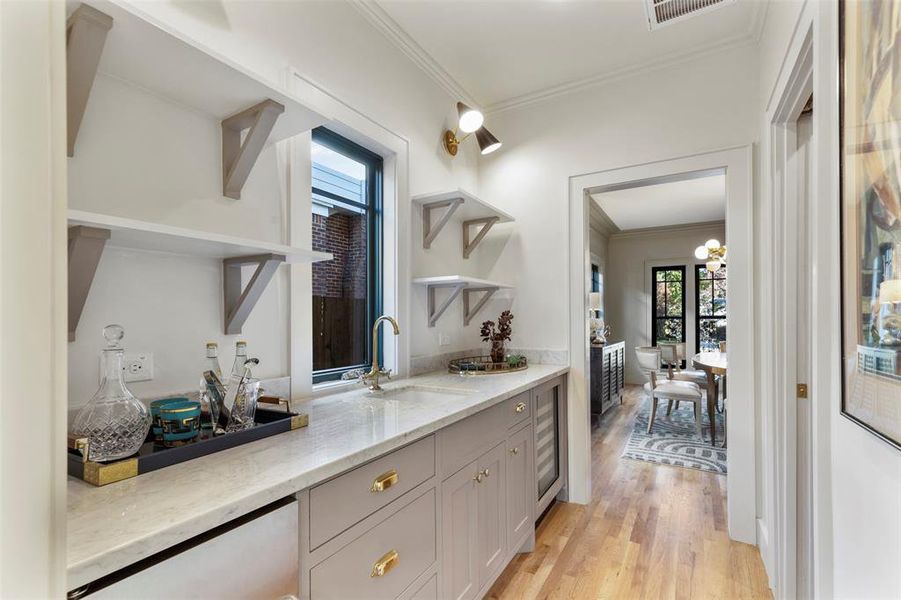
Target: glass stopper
x=113 y=335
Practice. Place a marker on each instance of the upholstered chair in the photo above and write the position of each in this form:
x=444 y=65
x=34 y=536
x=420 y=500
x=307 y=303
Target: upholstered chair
x=658 y=387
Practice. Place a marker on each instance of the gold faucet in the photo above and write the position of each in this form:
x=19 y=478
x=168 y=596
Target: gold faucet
x=372 y=377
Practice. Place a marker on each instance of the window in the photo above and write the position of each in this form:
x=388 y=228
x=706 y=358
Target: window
x=597 y=285
x=347 y=189
x=710 y=295
x=668 y=324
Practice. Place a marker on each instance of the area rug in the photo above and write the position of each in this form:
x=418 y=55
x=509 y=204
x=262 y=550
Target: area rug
x=673 y=440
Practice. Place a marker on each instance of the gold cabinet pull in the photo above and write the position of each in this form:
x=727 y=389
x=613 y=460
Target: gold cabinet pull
x=385 y=564
x=384 y=481
x=521 y=406
x=514 y=450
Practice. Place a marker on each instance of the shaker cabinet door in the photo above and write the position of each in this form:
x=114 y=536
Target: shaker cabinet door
x=492 y=531
x=520 y=486
x=459 y=528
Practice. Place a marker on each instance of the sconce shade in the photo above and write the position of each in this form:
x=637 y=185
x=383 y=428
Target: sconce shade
x=469 y=118
x=487 y=142
x=594 y=301
x=701 y=252
x=712 y=244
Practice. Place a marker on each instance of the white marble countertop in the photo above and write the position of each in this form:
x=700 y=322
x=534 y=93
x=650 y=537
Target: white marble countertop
x=114 y=526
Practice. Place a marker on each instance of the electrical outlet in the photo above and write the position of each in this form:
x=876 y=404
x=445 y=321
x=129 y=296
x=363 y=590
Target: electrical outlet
x=138 y=367
x=444 y=339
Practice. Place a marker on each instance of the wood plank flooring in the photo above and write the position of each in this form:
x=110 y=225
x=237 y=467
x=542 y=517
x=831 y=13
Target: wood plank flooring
x=651 y=531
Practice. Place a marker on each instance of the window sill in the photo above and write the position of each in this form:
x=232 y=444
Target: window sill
x=332 y=387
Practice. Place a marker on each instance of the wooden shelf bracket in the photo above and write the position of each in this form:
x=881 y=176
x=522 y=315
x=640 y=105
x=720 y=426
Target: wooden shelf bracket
x=469 y=311
x=436 y=310
x=486 y=223
x=429 y=231
x=238 y=158
x=85 y=249
x=86 y=33
x=239 y=302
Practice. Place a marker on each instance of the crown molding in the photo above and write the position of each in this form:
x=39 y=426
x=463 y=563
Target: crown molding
x=382 y=21
x=652 y=231
x=745 y=39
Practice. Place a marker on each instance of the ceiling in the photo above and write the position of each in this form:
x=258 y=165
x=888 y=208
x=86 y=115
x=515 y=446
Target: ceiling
x=498 y=54
x=698 y=200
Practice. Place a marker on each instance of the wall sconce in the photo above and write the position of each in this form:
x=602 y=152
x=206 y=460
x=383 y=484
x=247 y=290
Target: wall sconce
x=713 y=254
x=470 y=121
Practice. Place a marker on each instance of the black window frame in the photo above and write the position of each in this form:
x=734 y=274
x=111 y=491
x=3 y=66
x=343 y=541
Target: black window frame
x=374 y=212
x=654 y=317
x=699 y=268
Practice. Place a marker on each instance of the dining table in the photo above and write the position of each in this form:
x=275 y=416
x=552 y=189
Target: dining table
x=714 y=365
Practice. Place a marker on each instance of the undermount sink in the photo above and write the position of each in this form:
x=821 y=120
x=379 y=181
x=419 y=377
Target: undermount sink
x=420 y=393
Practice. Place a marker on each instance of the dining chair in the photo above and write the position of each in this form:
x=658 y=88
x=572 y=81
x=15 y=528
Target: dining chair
x=659 y=387
x=672 y=355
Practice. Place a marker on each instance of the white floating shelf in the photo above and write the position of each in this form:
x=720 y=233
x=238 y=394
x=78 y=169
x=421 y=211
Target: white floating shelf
x=460 y=204
x=452 y=280
x=142 y=235
x=144 y=52
x=458 y=284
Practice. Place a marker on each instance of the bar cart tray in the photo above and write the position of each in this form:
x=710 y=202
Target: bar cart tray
x=153 y=456
x=483 y=365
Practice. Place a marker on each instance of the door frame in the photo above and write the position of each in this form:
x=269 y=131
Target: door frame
x=741 y=454
x=810 y=64
x=783 y=263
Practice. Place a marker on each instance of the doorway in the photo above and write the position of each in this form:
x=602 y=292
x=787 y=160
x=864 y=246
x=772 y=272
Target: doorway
x=736 y=163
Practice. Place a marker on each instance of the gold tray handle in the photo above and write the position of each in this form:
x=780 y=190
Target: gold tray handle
x=384 y=481
x=81 y=444
x=385 y=564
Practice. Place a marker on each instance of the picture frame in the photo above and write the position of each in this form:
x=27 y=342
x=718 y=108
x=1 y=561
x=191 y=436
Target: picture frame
x=870 y=217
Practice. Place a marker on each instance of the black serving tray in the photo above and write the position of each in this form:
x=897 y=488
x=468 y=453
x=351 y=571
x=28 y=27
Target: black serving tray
x=153 y=456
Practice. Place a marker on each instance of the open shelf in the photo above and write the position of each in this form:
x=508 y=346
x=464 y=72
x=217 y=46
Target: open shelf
x=141 y=51
x=458 y=285
x=460 y=204
x=90 y=233
x=142 y=235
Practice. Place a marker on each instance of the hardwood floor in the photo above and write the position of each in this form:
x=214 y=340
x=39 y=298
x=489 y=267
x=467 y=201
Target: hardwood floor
x=651 y=531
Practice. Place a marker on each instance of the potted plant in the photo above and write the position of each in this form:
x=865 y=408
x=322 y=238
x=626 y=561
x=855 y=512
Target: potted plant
x=497 y=334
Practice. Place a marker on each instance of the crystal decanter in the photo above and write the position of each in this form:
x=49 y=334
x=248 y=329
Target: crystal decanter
x=114 y=421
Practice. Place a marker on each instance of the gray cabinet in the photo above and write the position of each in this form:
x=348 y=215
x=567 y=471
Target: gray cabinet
x=459 y=528
x=492 y=497
x=607 y=376
x=520 y=487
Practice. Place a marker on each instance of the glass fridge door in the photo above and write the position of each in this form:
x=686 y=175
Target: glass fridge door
x=547 y=450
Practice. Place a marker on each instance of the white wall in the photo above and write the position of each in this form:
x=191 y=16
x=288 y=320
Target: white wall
x=142 y=157
x=628 y=301
x=705 y=105
x=32 y=300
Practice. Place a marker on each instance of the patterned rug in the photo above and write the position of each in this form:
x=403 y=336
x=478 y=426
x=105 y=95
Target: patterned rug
x=673 y=440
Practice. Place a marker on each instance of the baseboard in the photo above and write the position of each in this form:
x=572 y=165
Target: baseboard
x=766 y=552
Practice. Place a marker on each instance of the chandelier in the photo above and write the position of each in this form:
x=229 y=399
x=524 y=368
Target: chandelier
x=713 y=255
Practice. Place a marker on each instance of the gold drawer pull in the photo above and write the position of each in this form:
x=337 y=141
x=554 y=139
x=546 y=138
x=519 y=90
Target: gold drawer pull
x=514 y=450
x=385 y=564
x=384 y=481
x=520 y=407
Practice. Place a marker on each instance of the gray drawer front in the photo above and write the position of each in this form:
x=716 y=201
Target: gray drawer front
x=346 y=500
x=410 y=532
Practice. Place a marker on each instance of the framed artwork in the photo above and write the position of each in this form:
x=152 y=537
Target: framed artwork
x=870 y=142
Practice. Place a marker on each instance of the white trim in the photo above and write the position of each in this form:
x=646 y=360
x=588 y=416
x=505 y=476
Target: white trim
x=395 y=153
x=741 y=483
x=383 y=22
x=615 y=75
x=397 y=35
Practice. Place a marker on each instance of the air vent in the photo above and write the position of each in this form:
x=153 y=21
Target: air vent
x=666 y=12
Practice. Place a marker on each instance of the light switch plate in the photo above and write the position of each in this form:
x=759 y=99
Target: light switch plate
x=444 y=339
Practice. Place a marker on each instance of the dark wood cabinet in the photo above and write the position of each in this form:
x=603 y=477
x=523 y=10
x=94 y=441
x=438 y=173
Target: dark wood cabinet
x=607 y=376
